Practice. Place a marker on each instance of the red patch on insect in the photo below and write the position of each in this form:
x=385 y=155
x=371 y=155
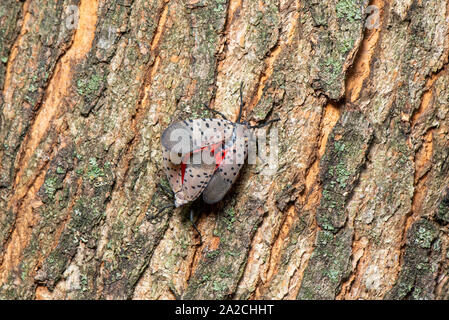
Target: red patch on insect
x=218 y=158
x=183 y=171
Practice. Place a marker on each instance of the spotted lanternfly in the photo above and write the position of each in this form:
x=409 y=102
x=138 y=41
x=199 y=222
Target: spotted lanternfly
x=204 y=156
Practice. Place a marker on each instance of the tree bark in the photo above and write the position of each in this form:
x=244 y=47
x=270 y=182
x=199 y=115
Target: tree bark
x=357 y=209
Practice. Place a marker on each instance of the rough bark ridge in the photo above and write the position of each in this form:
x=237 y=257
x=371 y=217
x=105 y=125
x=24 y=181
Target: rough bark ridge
x=358 y=208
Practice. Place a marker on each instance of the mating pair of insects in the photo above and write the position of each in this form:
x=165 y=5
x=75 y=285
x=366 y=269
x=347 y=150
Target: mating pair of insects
x=204 y=157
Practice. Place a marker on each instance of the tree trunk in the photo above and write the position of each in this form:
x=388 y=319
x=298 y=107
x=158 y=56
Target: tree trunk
x=357 y=209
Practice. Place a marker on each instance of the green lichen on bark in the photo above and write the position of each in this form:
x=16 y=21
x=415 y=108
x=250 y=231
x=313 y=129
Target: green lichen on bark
x=424 y=260
x=89 y=87
x=86 y=215
x=328 y=266
x=43 y=45
x=6 y=225
x=272 y=97
x=340 y=167
x=205 y=28
x=339 y=26
x=291 y=254
x=421 y=259
x=55 y=193
x=10 y=11
x=263 y=28
x=54 y=178
x=220 y=270
x=443 y=209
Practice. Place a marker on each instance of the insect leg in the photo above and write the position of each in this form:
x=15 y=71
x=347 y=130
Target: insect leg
x=166 y=190
x=215 y=111
x=173 y=290
x=167 y=206
x=156 y=217
x=195 y=227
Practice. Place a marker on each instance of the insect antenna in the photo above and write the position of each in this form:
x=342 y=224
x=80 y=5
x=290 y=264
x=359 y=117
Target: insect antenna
x=241 y=103
x=215 y=111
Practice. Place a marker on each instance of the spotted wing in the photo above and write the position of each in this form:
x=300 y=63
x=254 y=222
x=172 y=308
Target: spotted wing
x=233 y=158
x=189 y=178
x=196 y=178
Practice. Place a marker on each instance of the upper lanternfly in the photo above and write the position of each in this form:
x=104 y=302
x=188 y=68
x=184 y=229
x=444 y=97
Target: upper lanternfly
x=185 y=147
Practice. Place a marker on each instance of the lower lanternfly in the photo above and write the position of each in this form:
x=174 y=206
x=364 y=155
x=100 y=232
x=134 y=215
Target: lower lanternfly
x=204 y=157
